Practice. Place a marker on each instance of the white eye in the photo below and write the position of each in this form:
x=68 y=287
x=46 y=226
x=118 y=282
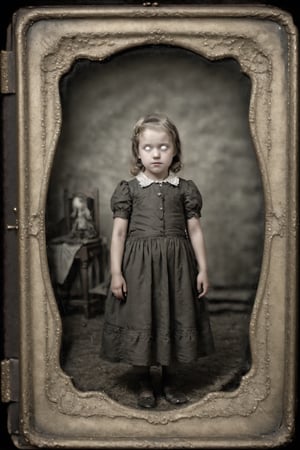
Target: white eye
x=147 y=148
x=164 y=147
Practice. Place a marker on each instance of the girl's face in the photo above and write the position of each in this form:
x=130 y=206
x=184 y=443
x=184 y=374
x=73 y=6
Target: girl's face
x=156 y=150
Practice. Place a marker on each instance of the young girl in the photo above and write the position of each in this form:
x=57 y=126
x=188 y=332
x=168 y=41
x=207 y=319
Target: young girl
x=156 y=313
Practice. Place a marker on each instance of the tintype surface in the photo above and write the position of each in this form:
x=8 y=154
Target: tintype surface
x=251 y=53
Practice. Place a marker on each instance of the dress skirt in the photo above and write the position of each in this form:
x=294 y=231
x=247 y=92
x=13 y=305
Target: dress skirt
x=162 y=320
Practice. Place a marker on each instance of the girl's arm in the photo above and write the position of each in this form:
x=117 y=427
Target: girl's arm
x=197 y=239
x=119 y=233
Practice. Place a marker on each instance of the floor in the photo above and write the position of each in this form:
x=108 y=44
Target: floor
x=221 y=371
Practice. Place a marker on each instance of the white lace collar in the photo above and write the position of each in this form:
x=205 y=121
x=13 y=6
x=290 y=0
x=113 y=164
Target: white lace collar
x=145 y=181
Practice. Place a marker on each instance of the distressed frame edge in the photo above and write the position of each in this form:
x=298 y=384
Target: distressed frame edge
x=289 y=419
x=291 y=364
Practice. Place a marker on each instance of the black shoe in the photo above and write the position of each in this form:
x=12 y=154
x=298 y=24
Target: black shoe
x=146 y=400
x=173 y=396
x=146 y=397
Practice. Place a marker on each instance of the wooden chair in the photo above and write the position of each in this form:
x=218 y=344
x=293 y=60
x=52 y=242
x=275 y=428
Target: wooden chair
x=92 y=249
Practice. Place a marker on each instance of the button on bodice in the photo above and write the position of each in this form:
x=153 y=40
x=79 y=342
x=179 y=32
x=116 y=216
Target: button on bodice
x=157 y=210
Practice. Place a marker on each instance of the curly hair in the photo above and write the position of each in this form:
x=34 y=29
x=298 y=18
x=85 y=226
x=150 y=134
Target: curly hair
x=155 y=121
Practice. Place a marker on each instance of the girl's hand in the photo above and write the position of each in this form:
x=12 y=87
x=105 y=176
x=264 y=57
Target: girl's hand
x=202 y=284
x=118 y=286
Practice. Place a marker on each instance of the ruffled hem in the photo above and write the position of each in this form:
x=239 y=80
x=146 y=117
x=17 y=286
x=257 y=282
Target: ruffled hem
x=142 y=347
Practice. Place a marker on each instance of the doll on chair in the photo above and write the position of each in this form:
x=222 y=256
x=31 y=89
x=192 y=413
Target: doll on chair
x=83 y=226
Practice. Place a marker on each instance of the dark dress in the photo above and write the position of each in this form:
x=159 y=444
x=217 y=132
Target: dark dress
x=162 y=320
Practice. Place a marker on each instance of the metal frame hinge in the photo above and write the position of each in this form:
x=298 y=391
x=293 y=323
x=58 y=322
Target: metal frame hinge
x=7 y=72
x=10 y=380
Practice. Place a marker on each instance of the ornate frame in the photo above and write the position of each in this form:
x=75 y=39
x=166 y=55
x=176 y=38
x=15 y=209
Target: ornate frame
x=264 y=42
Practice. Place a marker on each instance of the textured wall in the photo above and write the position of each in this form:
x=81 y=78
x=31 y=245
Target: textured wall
x=208 y=101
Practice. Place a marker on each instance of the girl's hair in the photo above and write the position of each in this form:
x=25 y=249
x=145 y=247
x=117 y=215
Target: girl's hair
x=155 y=121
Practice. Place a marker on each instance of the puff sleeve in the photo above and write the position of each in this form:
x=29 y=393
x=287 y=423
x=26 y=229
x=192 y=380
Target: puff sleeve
x=121 y=201
x=192 y=200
